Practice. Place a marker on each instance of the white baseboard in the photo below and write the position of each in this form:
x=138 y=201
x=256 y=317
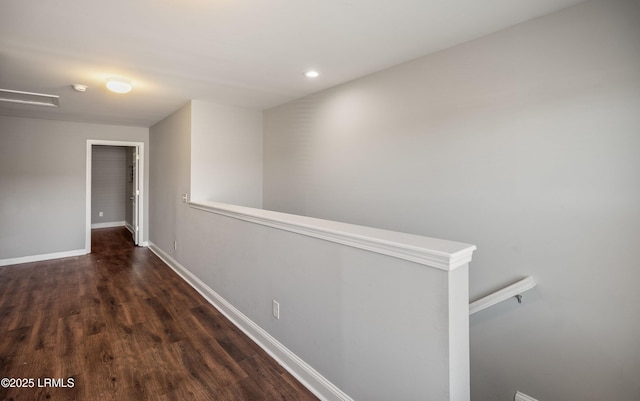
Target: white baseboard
x=305 y=374
x=39 y=258
x=109 y=224
x=130 y=228
x=523 y=397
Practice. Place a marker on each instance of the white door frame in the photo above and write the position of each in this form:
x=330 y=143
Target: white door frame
x=141 y=222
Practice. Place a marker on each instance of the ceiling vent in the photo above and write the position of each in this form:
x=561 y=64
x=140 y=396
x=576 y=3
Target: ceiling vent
x=36 y=99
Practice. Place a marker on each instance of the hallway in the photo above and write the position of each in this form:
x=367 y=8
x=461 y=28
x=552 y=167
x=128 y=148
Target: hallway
x=124 y=326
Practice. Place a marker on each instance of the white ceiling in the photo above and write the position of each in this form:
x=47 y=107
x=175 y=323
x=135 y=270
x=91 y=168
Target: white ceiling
x=248 y=53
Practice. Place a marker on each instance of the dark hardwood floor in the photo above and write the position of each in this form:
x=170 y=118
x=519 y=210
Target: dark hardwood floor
x=124 y=326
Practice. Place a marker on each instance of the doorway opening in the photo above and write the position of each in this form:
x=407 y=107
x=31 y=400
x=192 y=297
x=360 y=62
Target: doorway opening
x=128 y=186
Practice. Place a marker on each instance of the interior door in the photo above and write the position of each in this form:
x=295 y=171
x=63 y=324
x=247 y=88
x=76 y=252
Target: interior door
x=135 y=197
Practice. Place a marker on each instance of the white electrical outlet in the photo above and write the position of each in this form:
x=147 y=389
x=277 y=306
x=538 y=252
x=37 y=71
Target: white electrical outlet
x=175 y=245
x=275 y=309
x=100 y=214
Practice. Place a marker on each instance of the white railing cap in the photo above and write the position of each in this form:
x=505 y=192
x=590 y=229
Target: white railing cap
x=438 y=253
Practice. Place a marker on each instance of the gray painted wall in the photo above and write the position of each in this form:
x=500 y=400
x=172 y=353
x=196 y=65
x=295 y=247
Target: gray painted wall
x=525 y=143
x=43 y=183
x=109 y=184
x=376 y=326
x=226 y=154
x=170 y=159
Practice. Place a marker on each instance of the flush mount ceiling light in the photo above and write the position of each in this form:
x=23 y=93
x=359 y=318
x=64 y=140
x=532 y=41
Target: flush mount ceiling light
x=312 y=74
x=118 y=85
x=36 y=99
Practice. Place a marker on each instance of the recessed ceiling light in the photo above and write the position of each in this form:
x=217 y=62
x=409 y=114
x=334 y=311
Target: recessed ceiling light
x=312 y=74
x=118 y=85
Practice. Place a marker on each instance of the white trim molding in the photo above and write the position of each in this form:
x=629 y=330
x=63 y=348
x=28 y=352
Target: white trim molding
x=523 y=397
x=309 y=377
x=109 y=224
x=433 y=252
x=40 y=258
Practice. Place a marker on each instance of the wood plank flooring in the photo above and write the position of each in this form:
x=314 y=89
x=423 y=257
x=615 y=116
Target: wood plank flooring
x=124 y=326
